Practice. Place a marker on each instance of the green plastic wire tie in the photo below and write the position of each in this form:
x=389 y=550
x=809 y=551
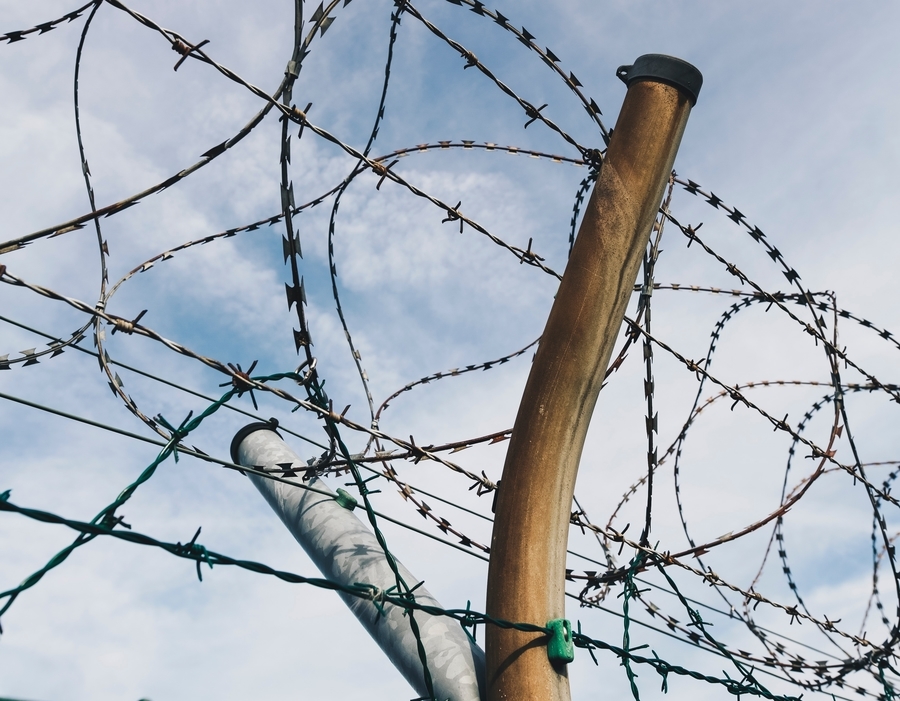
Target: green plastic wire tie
x=346 y=499
x=560 y=646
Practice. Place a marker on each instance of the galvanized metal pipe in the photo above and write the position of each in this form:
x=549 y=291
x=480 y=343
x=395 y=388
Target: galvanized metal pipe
x=346 y=551
x=526 y=578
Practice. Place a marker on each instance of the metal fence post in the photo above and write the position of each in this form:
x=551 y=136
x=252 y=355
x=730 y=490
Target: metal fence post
x=528 y=550
x=347 y=552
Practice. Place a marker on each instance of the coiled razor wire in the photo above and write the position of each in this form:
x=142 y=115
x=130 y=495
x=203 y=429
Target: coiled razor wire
x=857 y=661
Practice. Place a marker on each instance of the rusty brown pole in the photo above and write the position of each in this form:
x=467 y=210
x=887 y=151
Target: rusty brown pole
x=526 y=578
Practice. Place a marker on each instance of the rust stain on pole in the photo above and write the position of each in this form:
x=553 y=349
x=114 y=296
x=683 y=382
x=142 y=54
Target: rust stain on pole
x=526 y=579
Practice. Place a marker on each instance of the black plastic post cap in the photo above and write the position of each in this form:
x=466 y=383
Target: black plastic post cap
x=666 y=69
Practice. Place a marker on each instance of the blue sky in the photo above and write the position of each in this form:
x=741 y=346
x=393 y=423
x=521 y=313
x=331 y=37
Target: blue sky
x=795 y=126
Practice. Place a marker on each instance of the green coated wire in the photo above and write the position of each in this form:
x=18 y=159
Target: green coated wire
x=629 y=592
x=697 y=620
x=198 y=553
x=318 y=396
x=105 y=522
x=107 y=516
x=266 y=475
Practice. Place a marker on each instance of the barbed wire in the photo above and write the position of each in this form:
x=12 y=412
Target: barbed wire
x=855 y=655
x=44 y=27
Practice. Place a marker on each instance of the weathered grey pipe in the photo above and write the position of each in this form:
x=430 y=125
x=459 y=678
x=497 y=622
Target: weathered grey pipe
x=526 y=578
x=346 y=551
